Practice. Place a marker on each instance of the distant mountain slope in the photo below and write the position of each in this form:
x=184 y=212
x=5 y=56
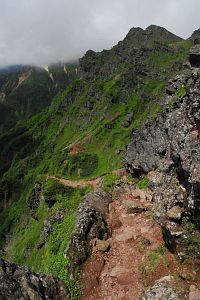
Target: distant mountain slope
x=26 y=90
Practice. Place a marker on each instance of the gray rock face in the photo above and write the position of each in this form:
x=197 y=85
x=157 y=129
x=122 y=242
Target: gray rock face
x=34 y=199
x=194 y=56
x=18 y=283
x=168 y=149
x=196 y=36
x=90 y=224
x=167 y=288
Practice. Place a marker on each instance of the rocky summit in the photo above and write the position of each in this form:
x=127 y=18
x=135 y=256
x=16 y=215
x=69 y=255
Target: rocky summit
x=100 y=173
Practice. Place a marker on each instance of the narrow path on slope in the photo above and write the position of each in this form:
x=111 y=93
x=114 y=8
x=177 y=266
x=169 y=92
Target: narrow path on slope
x=116 y=274
x=94 y=183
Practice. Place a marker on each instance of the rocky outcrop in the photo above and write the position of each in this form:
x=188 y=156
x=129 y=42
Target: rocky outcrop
x=166 y=288
x=196 y=36
x=167 y=148
x=194 y=56
x=35 y=198
x=19 y=283
x=90 y=224
x=129 y=56
x=153 y=33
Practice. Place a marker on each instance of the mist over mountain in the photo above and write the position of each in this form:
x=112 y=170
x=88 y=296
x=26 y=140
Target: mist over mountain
x=41 y=32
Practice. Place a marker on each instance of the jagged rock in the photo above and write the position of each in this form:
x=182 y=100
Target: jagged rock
x=196 y=36
x=129 y=55
x=194 y=293
x=59 y=216
x=90 y=224
x=194 y=56
x=127 y=235
x=47 y=227
x=101 y=245
x=170 y=90
x=35 y=198
x=168 y=149
x=46 y=231
x=167 y=288
x=132 y=206
x=18 y=283
x=175 y=212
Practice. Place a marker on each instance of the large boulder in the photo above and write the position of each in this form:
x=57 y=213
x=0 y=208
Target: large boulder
x=19 y=283
x=90 y=224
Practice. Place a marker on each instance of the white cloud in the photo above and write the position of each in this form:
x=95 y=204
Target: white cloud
x=44 y=31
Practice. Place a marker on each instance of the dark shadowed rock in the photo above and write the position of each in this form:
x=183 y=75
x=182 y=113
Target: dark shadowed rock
x=196 y=37
x=90 y=224
x=35 y=198
x=194 y=56
x=19 y=283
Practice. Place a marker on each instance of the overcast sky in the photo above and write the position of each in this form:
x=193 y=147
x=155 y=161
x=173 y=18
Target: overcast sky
x=44 y=31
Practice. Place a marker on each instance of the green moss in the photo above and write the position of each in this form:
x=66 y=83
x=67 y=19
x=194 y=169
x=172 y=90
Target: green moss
x=81 y=164
x=54 y=190
x=154 y=259
x=108 y=181
x=143 y=183
x=191 y=239
x=181 y=92
x=29 y=234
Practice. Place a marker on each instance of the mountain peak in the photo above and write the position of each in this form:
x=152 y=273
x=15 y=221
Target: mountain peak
x=154 y=27
x=153 y=33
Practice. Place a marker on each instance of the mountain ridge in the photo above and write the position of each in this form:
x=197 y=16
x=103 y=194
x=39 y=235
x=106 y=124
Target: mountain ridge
x=81 y=135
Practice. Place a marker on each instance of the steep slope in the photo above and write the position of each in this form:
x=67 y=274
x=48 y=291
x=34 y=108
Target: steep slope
x=167 y=150
x=82 y=135
x=26 y=90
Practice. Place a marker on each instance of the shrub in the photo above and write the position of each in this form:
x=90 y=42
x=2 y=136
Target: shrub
x=108 y=181
x=143 y=183
x=86 y=163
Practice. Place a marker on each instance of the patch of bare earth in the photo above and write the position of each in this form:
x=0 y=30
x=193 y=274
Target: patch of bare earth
x=117 y=269
x=94 y=183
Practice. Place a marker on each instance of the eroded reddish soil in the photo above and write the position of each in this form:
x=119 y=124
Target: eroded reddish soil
x=94 y=183
x=122 y=271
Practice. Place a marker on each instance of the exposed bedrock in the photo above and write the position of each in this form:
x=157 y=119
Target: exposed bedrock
x=90 y=224
x=18 y=283
x=167 y=148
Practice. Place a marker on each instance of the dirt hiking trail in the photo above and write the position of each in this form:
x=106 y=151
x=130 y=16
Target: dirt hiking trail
x=118 y=266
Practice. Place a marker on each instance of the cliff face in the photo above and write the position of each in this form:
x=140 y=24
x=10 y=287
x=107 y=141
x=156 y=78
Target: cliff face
x=167 y=150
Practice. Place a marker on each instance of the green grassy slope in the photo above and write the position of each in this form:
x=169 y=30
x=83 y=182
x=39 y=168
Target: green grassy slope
x=81 y=135
x=27 y=90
